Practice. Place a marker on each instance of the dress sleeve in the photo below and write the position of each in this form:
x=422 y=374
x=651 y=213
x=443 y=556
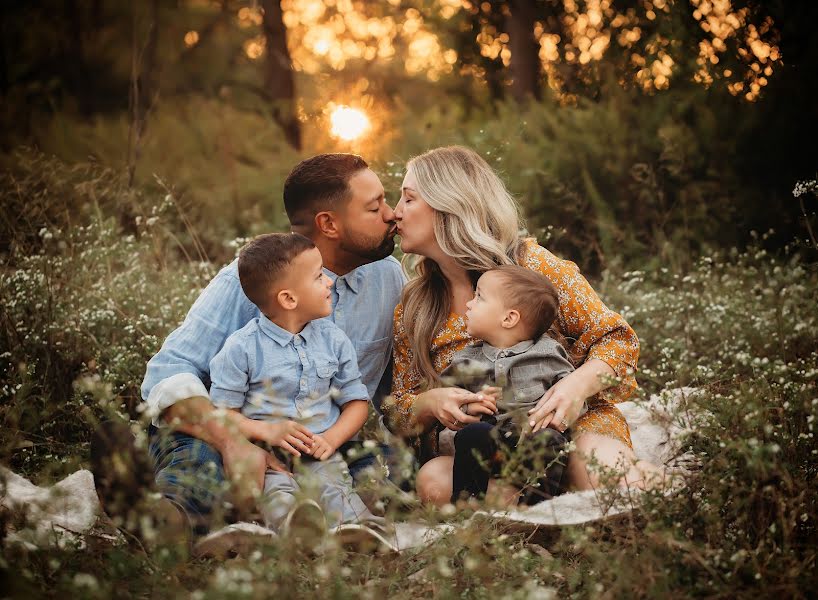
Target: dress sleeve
x=599 y=332
x=398 y=409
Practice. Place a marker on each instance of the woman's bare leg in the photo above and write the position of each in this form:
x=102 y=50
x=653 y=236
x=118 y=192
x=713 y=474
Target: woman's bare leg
x=434 y=481
x=434 y=485
x=611 y=455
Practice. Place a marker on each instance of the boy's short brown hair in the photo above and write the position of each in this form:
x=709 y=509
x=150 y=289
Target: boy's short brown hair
x=264 y=259
x=532 y=295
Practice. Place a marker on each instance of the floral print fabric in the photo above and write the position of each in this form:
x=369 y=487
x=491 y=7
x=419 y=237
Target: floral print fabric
x=596 y=331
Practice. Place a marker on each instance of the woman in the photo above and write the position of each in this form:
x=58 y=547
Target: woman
x=457 y=218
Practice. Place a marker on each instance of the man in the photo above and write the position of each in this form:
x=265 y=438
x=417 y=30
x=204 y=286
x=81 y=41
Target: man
x=200 y=452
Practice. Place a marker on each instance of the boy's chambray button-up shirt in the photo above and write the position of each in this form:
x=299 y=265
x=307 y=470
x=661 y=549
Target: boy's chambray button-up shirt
x=363 y=302
x=272 y=374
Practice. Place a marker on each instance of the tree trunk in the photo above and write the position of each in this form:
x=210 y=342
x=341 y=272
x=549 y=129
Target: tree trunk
x=76 y=71
x=279 y=81
x=97 y=14
x=144 y=86
x=525 y=58
x=148 y=83
x=4 y=37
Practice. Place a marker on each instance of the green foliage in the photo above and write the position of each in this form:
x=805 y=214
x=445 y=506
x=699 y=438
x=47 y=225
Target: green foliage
x=85 y=301
x=741 y=328
x=87 y=295
x=627 y=176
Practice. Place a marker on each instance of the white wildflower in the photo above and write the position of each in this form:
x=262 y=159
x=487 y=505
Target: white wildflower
x=803 y=187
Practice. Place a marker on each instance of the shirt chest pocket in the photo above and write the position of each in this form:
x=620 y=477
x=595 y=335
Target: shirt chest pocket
x=528 y=383
x=323 y=374
x=526 y=376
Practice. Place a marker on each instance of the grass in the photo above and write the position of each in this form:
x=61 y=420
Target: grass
x=87 y=296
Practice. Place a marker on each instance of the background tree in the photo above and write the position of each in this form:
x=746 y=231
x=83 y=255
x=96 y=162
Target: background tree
x=279 y=80
x=634 y=124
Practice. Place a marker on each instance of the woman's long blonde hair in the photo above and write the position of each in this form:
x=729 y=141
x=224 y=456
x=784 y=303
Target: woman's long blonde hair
x=477 y=223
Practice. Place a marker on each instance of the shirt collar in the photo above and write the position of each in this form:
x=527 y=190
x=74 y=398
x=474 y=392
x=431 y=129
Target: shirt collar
x=493 y=353
x=280 y=335
x=352 y=279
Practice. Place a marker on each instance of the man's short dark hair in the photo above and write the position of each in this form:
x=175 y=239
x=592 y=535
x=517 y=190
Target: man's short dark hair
x=264 y=259
x=319 y=183
x=531 y=294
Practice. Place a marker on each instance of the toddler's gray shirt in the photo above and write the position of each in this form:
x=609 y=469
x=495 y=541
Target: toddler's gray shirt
x=525 y=371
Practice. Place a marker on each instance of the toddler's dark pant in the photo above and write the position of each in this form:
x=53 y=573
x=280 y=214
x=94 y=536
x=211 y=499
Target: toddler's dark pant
x=482 y=449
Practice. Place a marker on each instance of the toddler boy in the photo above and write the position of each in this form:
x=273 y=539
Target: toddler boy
x=292 y=367
x=512 y=309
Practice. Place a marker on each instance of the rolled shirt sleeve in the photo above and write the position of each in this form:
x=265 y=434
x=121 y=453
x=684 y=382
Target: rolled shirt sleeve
x=181 y=367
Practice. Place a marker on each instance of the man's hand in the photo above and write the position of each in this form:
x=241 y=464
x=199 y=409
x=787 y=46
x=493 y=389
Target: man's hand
x=322 y=448
x=287 y=435
x=245 y=465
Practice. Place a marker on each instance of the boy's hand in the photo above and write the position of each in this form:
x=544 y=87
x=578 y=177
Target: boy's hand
x=491 y=396
x=322 y=449
x=287 y=435
x=492 y=393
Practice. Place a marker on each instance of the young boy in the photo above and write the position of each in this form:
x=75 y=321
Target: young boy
x=293 y=367
x=512 y=309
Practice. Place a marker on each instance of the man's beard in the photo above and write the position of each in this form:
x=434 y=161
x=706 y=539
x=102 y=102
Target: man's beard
x=368 y=249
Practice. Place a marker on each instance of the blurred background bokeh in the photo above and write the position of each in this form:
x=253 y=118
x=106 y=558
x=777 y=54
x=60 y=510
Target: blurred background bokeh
x=639 y=131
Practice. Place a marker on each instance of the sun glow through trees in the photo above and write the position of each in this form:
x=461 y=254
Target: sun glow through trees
x=348 y=123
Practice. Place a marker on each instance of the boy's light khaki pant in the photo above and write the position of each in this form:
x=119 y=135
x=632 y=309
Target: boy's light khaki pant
x=328 y=482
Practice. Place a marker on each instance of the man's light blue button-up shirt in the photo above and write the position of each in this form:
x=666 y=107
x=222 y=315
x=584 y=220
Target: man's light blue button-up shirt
x=272 y=374
x=363 y=304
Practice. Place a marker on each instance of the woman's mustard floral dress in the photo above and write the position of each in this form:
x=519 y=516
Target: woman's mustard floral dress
x=598 y=333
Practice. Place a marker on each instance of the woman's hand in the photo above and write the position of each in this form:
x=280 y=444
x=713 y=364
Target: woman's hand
x=444 y=405
x=560 y=406
x=491 y=394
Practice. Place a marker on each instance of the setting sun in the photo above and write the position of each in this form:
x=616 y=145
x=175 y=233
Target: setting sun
x=348 y=123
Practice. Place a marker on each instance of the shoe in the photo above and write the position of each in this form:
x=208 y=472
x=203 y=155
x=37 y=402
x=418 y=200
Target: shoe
x=124 y=482
x=237 y=539
x=305 y=525
x=365 y=538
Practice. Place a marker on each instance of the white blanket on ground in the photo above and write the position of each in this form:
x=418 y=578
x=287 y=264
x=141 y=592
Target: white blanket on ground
x=68 y=509
x=51 y=515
